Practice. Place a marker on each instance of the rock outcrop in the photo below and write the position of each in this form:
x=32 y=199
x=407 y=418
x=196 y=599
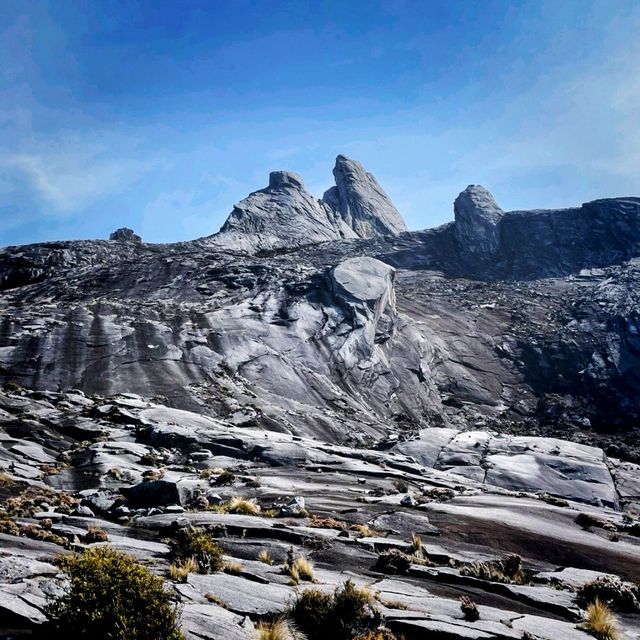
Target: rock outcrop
x=477 y=216
x=285 y=215
x=133 y=473
x=519 y=327
x=361 y=202
x=125 y=234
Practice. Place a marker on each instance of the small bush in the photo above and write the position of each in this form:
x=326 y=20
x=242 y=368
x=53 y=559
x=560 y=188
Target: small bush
x=112 y=597
x=153 y=475
x=180 y=572
x=95 y=534
x=393 y=561
x=600 y=622
x=507 y=570
x=377 y=634
x=9 y=527
x=401 y=486
x=469 y=609
x=610 y=591
x=280 y=629
x=225 y=478
x=342 y=615
x=37 y=533
x=439 y=494
x=196 y=544
x=586 y=521
x=553 y=500
x=115 y=473
x=327 y=523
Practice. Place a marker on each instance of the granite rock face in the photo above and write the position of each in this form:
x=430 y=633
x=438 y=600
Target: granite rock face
x=519 y=321
x=149 y=470
x=361 y=202
x=285 y=215
x=282 y=215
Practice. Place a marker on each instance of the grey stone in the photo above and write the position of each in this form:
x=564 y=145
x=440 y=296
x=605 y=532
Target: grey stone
x=125 y=235
x=361 y=202
x=476 y=220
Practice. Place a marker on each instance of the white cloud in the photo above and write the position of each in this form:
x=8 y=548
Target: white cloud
x=68 y=174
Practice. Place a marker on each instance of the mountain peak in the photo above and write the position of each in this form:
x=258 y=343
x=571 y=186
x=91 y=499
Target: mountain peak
x=361 y=201
x=284 y=214
x=285 y=179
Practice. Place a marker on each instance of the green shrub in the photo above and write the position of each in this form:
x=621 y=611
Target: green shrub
x=611 y=591
x=111 y=596
x=225 y=478
x=342 y=615
x=195 y=543
x=394 y=561
x=507 y=570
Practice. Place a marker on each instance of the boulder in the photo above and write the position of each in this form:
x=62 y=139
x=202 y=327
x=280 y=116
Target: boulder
x=477 y=216
x=125 y=235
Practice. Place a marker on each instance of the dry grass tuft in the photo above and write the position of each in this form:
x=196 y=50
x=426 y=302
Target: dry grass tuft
x=266 y=557
x=280 y=629
x=233 y=567
x=241 y=505
x=180 y=572
x=416 y=545
x=293 y=575
x=214 y=599
x=5 y=480
x=394 y=604
x=326 y=523
x=362 y=530
x=509 y=570
x=304 y=567
x=600 y=622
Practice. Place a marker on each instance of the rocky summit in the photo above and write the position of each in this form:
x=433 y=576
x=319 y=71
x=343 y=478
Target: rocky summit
x=447 y=417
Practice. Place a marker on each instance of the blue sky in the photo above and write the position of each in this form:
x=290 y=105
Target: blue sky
x=161 y=115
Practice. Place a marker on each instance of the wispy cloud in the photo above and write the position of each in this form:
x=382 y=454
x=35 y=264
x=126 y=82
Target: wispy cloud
x=71 y=175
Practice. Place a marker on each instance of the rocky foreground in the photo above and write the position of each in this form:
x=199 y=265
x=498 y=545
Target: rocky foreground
x=421 y=522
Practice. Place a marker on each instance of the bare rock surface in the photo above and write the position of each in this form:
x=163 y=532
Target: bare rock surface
x=353 y=514
x=446 y=397
x=361 y=202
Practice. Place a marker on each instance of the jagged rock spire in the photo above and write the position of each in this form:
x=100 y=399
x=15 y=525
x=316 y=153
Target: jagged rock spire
x=361 y=201
x=284 y=214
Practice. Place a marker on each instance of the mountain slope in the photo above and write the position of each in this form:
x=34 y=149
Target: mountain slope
x=519 y=321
